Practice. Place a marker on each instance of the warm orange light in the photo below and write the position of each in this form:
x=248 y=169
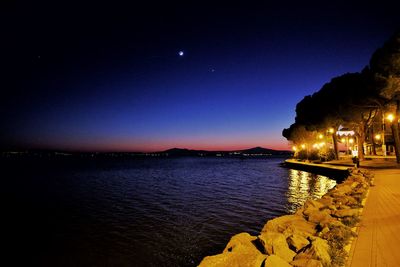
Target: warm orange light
x=322 y=144
x=320 y=136
x=390 y=117
x=303 y=146
x=351 y=140
x=378 y=137
x=294 y=148
x=331 y=130
x=343 y=140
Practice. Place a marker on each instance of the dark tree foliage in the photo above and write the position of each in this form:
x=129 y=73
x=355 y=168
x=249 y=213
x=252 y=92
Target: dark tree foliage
x=353 y=100
x=385 y=72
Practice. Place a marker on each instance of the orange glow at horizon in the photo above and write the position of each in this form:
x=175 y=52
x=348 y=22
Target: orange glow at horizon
x=217 y=144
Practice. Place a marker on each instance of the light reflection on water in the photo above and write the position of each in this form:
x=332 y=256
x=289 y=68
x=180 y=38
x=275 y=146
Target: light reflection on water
x=304 y=185
x=146 y=212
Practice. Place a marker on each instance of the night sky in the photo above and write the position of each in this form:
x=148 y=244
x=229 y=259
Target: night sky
x=102 y=77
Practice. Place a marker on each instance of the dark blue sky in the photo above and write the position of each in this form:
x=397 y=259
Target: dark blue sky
x=99 y=77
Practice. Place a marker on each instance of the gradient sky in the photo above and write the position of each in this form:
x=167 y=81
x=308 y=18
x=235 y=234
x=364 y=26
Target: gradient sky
x=109 y=78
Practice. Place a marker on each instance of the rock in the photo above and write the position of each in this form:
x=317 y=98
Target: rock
x=276 y=261
x=342 y=207
x=275 y=243
x=233 y=259
x=306 y=263
x=299 y=212
x=319 y=250
x=326 y=201
x=332 y=207
x=297 y=242
x=290 y=224
x=312 y=206
x=346 y=200
x=342 y=189
x=346 y=213
x=242 y=239
x=354 y=185
x=240 y=251
x=320 y=217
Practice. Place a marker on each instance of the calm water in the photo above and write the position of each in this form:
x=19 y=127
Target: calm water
x=144 y=212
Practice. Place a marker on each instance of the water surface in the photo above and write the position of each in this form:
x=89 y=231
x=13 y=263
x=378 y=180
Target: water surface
x=144 y=212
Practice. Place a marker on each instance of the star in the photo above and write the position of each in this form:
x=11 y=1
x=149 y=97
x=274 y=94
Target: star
x=181 y=53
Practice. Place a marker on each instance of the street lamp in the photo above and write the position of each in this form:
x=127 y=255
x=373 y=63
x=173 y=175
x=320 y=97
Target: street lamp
x=390 y=117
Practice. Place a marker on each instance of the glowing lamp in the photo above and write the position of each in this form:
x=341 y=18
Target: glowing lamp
x=294 y=148
x=320 y=136
x=351 y=140
x=390 y=117
x=331 y=130
x=378 y=137
x=303 y=146
x=343 y=140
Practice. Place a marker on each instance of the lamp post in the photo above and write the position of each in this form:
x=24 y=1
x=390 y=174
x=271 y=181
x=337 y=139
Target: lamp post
x=383 y=135
x=390 y=118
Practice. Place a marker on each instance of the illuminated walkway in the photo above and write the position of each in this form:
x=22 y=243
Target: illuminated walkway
x=378 y=242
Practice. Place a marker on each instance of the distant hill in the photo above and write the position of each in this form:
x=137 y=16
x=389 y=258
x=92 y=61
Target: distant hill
x=259 y=150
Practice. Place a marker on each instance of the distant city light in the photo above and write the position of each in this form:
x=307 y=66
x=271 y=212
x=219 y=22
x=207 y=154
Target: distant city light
x=320 y=136
x=378 y=137
x=331 y=130
x=303 y=146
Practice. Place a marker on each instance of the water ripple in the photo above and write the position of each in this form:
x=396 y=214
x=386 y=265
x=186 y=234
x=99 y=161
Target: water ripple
x=153 y=212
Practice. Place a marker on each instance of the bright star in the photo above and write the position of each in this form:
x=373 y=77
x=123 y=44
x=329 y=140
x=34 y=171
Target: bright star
x=180 y=53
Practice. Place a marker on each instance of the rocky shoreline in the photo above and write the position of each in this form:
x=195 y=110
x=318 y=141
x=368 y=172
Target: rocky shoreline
x=318 y=234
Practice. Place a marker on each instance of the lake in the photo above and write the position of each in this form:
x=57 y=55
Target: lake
x=143 y=212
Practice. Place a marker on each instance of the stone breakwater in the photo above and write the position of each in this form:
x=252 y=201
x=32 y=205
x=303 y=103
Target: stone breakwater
x=318 y=234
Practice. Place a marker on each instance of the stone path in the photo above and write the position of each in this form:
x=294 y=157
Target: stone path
x=378 y=241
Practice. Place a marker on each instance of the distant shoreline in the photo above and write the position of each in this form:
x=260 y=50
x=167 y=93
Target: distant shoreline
x=256 y=152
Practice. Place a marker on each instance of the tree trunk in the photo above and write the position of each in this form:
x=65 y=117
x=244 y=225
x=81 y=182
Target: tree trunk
x=396 y=137
x=371 y=137
x=360 y=141
x=395 y=132
x=335 y=146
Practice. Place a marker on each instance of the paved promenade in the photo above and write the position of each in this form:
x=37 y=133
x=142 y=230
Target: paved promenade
x=378 y=241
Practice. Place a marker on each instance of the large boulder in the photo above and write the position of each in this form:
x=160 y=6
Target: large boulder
x=290 y=224
x=275 y=243
x=306 y=263
x=297 y=242
x=276 y=261
x=321 y=218
x=342 y=189
x=326 y=201
x=312 y=206
x=319 y=250
x=240 y=251
x=346 y=213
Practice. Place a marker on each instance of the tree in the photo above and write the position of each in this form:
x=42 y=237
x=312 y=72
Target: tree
x=385 y=70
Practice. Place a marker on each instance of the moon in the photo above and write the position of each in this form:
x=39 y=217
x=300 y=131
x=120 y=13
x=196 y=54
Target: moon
x=181 y=53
